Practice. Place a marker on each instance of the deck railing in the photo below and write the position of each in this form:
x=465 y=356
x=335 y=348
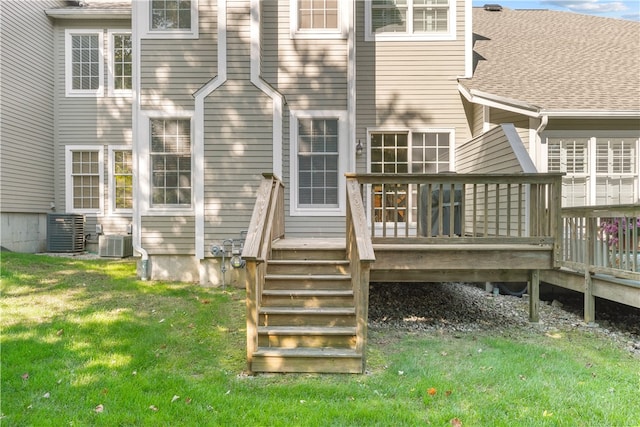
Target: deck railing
x=465 y=208
x=266 y=225
x=602 y=240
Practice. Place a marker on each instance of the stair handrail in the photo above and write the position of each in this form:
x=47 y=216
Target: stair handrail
x=361 y=255
x=266 y=225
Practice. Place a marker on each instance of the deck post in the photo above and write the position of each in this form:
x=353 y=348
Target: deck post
x=589 y=260
x=534 y=296
x=252 y=311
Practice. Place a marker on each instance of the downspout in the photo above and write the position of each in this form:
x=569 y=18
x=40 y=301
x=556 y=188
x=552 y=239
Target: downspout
x=135 y=113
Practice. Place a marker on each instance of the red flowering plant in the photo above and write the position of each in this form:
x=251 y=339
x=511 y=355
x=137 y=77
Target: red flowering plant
x=613 y=229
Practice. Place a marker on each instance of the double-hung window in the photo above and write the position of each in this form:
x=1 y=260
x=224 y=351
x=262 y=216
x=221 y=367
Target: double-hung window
x=405 y=152
x=120 y=63
x=170 y=18
x=84 y=172
x=600 y=170
x=121 y=182
x=84 y=63
x=410 y=19
x=318 y=144
x=171 y=162
x=319 y=18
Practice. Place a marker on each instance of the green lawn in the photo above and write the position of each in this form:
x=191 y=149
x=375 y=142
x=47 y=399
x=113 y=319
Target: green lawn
x=85 y=343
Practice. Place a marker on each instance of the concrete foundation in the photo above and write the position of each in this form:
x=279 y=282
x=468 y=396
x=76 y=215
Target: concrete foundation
x=23 y=232
x=186 y=268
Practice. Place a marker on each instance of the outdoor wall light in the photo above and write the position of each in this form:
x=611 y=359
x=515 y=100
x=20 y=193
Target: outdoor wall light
x=359 y=148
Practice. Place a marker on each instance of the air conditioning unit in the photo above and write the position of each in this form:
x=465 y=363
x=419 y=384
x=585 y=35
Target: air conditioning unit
x=65 y=233
x=115 y=246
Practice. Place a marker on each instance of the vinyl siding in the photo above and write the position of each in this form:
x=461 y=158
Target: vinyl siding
x=92 y=121
x=497 y=117
x=172 y=70
x=26 y=101
x=238 y=137
x=312 y=75
x=410 y=84
x=168 y=235
x=488 y=153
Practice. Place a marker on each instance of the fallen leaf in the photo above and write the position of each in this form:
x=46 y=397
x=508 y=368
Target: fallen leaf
x=443 y=353
x=187 y=400
x=400 y=372
x=303 y=401
x=25 y=376
x=175 y=398
x=455 y=422
x=153 y=407
x=60 y=332
x=98 y=409
x=447 y=393
x=547 y=413
x=432 y=391
x=161 y=320
x=205 y=301
x=191 y=326
x=522 y=377
x=134 y=373
x=104 y=391
x=46 y=395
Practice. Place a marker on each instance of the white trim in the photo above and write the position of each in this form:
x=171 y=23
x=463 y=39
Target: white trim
x=276 y=97
x=351 y=87
x=68 y=56
x=144 y=151
x=144 y=18
x=343 y=160
x=468 y=38
x=111 y=66
x=111 y=176
x=409 y=35
x=69 y=150
x=198 y=125
x=338 y=33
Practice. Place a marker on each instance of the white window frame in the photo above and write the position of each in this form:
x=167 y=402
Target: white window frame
x=69 y=150
x=111 y=64
x=144 y=165
x=409 y=132
x=343 y=153
x=144 y=22
x=317 y=33
x=68 y=56
x=591 y=175
x=409 y=34
x=111 y=188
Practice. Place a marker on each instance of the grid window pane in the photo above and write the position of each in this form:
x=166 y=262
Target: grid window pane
x=318 y=14
x=123 y=182
x=318 y=162
x=167 y=15
x=394 y=16
x=85 y=62
x=85 y=175
x=171 y=161
x=122 y=62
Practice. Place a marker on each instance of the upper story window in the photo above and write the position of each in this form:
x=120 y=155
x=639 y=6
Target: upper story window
x=167 y=19
x=84 y=63
x=120 y=63
x=319 y=18
x=410 y=19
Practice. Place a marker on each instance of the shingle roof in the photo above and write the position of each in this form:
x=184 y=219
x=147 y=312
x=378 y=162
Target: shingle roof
x=557 y=61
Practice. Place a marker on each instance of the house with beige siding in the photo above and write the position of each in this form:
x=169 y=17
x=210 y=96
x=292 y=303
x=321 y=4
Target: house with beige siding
x=162 y=117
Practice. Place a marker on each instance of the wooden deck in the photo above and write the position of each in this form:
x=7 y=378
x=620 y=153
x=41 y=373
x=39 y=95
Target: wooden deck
x=307 y=299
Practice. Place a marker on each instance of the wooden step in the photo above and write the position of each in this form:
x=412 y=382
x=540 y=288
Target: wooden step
x=307 y=336
x=326 y=360
x=307 y=316
x=309 y=249
x=311 y=298
x=307 y=281
x=298 y=266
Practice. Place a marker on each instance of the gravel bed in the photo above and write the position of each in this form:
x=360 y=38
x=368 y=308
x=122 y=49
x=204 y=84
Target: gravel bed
x=459 y=307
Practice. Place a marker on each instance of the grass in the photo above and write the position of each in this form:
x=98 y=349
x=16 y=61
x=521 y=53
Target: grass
x=85 y=343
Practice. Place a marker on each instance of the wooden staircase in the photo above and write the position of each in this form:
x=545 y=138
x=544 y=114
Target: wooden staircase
x=306 y=318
